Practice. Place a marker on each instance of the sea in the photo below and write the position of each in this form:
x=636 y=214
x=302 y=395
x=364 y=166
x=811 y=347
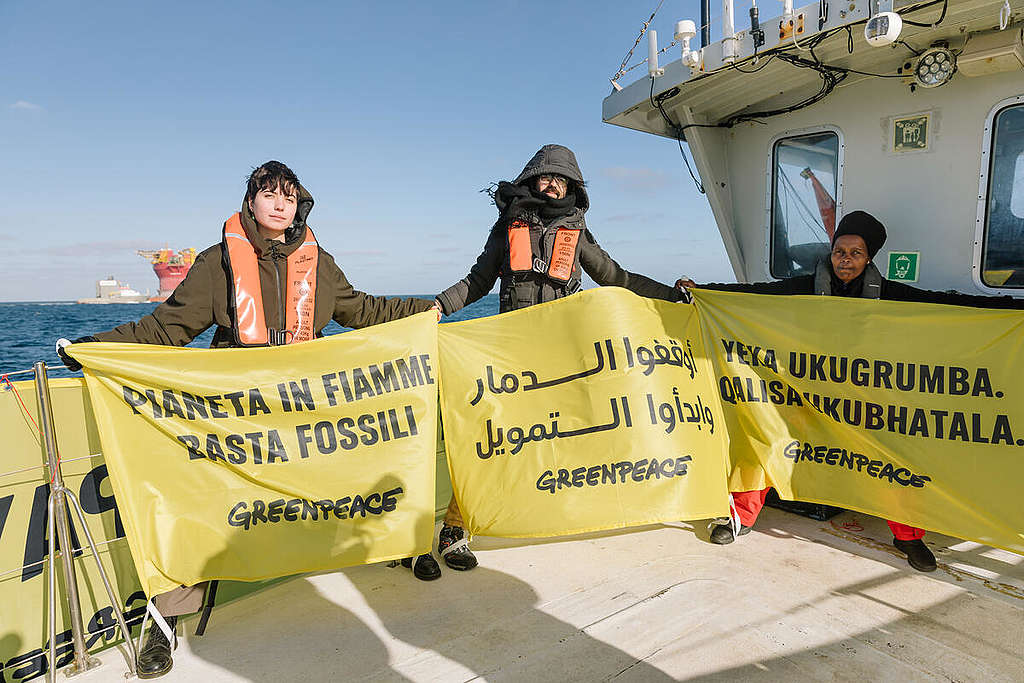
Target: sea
x=29 y=331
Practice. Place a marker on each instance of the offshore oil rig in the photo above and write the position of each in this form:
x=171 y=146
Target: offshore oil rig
x=170 y=268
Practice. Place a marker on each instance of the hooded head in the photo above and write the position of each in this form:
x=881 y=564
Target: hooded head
x=865 y=226
x=555 y=160
x=273 y=177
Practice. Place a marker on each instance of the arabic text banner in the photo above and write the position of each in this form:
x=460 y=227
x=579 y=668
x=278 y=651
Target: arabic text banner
x=592 y=412
x=255 y=463
x=913 y=412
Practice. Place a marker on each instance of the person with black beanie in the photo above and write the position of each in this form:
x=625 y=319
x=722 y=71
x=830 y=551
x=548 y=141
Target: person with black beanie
x=539 y=247
x=849 y=271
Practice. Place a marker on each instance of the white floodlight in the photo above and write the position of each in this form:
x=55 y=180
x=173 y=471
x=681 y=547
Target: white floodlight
x=883 y=29
x=685 y=31
x=934 y=67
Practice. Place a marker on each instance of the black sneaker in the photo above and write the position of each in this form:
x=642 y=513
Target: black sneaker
x=425 y=568
x=453 y=546
x=155 y=657
x=721 y=534
x=918 y=554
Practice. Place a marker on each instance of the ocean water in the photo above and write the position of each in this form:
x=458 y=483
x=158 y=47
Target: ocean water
x=28 y=331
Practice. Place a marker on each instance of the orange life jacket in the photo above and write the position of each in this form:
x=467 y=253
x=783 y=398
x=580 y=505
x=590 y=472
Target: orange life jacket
x=558 y=264
x=250 y=323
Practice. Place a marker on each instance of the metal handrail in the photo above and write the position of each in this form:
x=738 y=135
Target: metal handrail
x=57 y=516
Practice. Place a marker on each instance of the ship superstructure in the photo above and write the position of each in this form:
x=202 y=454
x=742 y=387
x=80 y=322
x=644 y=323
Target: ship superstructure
x=170 y=267
x=912 y=111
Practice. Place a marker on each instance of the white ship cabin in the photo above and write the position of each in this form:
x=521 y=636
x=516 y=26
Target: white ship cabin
x=912 y=111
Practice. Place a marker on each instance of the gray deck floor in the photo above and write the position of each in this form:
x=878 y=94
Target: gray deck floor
x=794 y=600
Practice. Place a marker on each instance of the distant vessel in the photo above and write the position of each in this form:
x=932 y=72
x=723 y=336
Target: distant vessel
x=113 y=291
x=170 y=268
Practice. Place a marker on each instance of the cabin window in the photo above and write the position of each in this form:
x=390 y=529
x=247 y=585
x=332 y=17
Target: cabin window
x=1003 y=256
x=805 y=184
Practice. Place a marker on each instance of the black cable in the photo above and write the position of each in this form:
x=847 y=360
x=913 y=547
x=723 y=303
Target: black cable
x=907 y=45
x=768 y=61
x=677 y=131
x=945 y=6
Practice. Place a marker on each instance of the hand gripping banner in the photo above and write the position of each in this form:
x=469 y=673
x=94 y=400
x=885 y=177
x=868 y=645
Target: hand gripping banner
x=254 y=463
x=593 y=412
x=913 y=412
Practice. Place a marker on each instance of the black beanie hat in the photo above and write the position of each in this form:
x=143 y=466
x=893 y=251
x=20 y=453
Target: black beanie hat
x=864 y=225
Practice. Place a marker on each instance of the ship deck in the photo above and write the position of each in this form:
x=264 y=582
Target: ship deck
x=796 y=599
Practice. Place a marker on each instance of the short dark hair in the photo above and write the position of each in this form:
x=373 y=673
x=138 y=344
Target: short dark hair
x=272 y=176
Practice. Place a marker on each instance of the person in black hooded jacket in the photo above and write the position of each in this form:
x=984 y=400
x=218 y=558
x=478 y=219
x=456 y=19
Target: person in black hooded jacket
x=849 y=272
x=539 y=248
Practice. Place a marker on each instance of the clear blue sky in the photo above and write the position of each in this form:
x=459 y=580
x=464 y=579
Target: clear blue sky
x=128 y=125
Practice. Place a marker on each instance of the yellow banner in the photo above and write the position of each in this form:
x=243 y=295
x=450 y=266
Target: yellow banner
x=593 y=412
x=912 y=412
x=255 y=463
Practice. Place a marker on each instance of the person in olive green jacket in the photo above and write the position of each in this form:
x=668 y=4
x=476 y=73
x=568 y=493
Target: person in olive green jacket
x=273 y=220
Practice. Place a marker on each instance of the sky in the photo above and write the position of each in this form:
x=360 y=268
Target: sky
x=133 y=125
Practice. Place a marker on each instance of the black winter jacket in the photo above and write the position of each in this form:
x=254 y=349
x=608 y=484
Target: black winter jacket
x=522 y=289
x=890 y=291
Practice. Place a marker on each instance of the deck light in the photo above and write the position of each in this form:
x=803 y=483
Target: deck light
x=935 y=67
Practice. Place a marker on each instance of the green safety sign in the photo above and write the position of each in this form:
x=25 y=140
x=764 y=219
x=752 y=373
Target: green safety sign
x=910 y=133
x=904 y=265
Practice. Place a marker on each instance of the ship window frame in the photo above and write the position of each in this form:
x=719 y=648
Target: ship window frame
x=770 y=177
x=984 y=188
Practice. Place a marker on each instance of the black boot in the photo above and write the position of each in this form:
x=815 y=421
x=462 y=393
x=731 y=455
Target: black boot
x=454 y=548
x=721 y=534
x=155 y=656
x=425 y=568
x=918 y=554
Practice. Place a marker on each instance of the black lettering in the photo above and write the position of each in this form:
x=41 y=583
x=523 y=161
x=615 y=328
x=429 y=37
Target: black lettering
x=349 y=439
x=236 y=401
x=192 y=444
x=236 y=448
x=410 y=373
x=384 y=377
x=256 y=402
x=194 y=406
x=240 y=515
x=171 y=406
x=134 y=398
x=274 y=510
x=215 y=408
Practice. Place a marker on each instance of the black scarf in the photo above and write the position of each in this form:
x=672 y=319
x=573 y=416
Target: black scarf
x=551 y=209
x=854 y=287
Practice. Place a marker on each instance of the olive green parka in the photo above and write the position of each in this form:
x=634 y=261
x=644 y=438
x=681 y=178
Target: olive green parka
x=203 y=297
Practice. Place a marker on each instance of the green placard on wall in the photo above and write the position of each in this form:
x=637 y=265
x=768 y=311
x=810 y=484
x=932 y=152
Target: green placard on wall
x=910 y=133
x=904 y=265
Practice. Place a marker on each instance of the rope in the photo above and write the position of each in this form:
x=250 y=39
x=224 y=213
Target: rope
x=43 y=465
x=10 y=385
x=77 y=550
x=623 y=69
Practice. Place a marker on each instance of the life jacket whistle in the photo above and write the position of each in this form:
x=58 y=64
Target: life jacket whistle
x=250 y=323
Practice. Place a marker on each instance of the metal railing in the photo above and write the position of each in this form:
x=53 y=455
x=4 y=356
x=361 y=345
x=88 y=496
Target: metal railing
x=57 y=516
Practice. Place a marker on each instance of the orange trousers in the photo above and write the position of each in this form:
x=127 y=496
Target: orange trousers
x=748 y=505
